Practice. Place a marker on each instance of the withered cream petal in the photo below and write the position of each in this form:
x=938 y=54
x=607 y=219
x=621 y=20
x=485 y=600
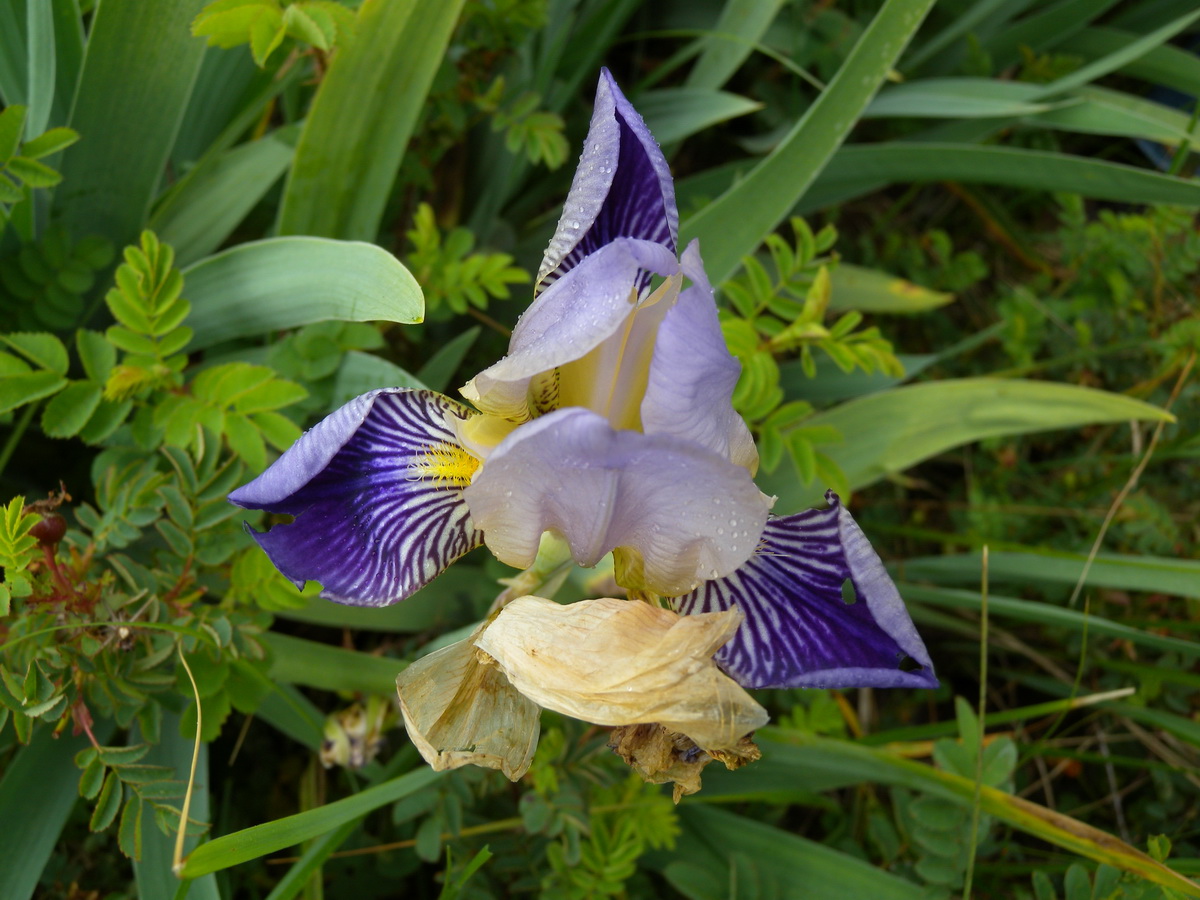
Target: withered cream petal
x=622 y=662
x=459 y=710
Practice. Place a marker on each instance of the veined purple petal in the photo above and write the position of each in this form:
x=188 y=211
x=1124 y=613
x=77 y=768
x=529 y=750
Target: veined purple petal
x=690 y=513
x=799 y=631
x=579 y=312
x=622 y=188
x=692 y=375
x=376 y=491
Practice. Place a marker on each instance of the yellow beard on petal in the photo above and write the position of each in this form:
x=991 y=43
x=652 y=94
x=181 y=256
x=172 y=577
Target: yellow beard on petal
x=446 y=465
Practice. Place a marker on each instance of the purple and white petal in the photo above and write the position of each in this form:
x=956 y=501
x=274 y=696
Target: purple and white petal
x=800 y=631
x=622 y=188
x=579 y=312
x=376 y=492
x=688 y=512
x=692 y=375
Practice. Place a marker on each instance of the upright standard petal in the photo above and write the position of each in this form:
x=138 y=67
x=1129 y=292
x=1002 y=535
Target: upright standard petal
x=624 y=662
x=692 y=375
x=688 y=512
x=804 y=625
x=590 y=304
x=376 y=491
x=622 y=188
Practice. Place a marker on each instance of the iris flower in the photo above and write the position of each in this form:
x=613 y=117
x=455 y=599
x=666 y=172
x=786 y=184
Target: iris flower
x=609 y=424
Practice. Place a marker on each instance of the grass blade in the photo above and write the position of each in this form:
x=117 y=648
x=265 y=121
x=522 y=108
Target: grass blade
x=250 y=843
x=877 y=764
x=735 y=223
x=293 y=882
x=362 y=117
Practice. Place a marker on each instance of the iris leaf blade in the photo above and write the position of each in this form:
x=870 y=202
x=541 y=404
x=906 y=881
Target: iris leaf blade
x=197 y=218
x=1109 y=570
x=138 y=71
x=42 y=67
x=741 y=25
x=291 y=281
x=1101 y=111
x=38 y=790
x=14 y=58
x=861 y=168
x=673 y=114
x=734 y=224
x=1166 y=65
x=298 y=661
x=887 y=432
x=793 y=866
x=1047 y=614
x=362 y=117
x=153 y=871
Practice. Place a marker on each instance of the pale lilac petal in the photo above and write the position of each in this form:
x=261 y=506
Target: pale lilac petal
x=799 y=630
x=369 y=526
x=622 y=188
x=692 y=375
x=579 y=312
x=690 y=513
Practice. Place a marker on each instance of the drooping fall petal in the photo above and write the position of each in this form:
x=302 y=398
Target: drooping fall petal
x=376 y=492
x=459 y=711
x=622 y=188
x=688 y=512
x=624 y=662
x=800 y=629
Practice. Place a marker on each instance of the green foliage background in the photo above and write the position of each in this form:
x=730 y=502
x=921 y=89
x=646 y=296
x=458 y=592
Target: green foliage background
x=958 y=260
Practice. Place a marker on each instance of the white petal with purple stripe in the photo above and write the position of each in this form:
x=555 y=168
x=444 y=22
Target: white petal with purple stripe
x=804 y=625
x=376 y=491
